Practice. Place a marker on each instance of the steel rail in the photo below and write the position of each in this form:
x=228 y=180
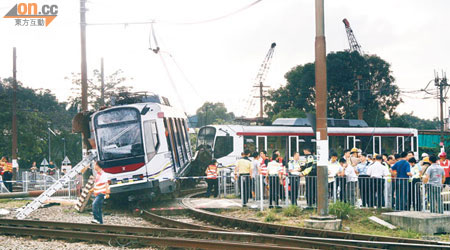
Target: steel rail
x=135 y=239
x=268 y=228
x=242 y=237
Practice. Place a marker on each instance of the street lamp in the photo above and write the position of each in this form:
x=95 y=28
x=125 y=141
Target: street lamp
x=49 y=145
x=64 y=141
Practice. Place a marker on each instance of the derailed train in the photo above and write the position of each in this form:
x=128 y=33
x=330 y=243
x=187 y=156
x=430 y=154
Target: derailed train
x=145 y=146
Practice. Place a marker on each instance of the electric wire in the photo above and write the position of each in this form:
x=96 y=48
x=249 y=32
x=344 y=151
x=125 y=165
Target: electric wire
x=182 y=23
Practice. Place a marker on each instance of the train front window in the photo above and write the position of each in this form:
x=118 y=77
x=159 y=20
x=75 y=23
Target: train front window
x=118 y=138
x=206 y=137
x=224 y=146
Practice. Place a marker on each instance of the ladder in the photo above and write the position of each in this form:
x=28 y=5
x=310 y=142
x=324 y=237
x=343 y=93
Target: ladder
x=26 y=210
x=85 y=195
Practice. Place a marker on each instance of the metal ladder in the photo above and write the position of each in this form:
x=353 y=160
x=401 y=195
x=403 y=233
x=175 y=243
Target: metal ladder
x=26 y=210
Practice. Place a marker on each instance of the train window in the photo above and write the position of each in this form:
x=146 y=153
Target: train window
x=376 y=145
x=408 y=143
x=366 y=144
x=337 y=144
x=415 y=149
x=277 y=142
x=293 y=145
x=223 y=146
x=151 y=138
x=388 y=145
x=400 y=144
x=172 y=146
x=306 y=142
x=261 y=141
x=206 y=137
x=176 y=141
x=249 y=143
x=182 y=138
x=118 y=138
x=185 y=127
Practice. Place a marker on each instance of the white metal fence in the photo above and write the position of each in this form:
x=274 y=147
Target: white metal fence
x=400 y=194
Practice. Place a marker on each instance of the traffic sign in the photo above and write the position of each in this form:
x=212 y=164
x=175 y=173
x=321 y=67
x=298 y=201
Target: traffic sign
x=66 y=161
x=44 y=162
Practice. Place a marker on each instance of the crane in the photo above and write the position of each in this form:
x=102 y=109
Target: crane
x=354 y=46
x=259 y=84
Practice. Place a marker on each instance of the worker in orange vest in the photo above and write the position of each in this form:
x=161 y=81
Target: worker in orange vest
x=7 y=174
x=211 y=178
x=101 y=192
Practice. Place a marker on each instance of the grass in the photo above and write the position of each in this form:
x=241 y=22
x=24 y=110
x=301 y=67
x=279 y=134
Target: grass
x=13 y=203
x=342 y=210
x=292 y=211
x=271 y=217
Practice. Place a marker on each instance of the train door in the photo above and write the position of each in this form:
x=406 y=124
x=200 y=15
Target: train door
x=293 y=145
x=172 y=146
x=261 y=143
x=351 y=142
x=400 y=144
x=377 y=145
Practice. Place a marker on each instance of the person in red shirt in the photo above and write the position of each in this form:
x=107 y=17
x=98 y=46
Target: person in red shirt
x=445 y=164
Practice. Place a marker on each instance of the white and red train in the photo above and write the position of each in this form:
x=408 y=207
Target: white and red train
x=228 y=141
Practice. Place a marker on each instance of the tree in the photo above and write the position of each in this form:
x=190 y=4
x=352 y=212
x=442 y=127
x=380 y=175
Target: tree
x=344 y=70
x=410 y=121
x=112 y=86
x=210 y=113
x=34 y=109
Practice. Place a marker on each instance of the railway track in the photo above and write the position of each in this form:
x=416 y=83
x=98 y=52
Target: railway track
x=163 y=237
x=331 y=237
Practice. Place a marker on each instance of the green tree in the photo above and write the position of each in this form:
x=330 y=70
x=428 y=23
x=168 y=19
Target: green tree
x=291 y=112
x=344 y=70
x=410 y=121
x=35 y=108
x=113 y=85
x=210 y=113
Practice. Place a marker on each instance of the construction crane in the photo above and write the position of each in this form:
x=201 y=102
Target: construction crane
x=354 y=46
x=259 y=85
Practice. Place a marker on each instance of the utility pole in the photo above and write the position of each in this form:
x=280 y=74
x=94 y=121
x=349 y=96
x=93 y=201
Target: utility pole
x=84 y=99
x=14 y=117
x=441 y=83
x=102 y=92
x=321 y=112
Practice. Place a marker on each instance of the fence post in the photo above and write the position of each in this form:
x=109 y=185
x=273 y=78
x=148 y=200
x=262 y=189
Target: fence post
x=422 y=191
x=286 y=190
x=334 y=190
x=385 y=191
x=261 y=192
x=224 y=186
x=242 y=189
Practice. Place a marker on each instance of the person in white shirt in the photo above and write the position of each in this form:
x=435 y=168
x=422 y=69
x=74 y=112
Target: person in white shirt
x=352 y=179
x=363 y=178
x=377 y=171
x=256 y=162
x=333 y=169
x=294 y=168
x=274 y=176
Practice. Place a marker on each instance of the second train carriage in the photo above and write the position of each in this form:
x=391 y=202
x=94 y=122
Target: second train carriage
x=145 y=146
x=226 y=142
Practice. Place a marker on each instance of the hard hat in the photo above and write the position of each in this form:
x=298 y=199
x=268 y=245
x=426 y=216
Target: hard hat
x=443 y=155
x=426 y=160
x=424 y=155
x=354 y=150
x=374 y=156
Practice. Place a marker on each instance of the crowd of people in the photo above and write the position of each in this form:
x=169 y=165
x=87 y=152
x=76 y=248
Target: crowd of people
x=380 y=180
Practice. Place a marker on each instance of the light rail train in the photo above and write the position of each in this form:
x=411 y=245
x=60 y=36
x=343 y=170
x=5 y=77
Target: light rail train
x=226 y=142
x=145 y=146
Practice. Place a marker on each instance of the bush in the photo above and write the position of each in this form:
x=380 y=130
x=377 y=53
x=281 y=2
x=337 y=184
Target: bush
x=271 y=217
x=342 y=210
x=292 y=211
x=259 y=214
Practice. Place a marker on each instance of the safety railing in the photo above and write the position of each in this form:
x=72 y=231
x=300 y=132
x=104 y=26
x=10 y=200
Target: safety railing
x=400 y=194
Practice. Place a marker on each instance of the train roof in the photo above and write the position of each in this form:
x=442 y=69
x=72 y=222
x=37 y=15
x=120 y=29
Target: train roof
x=307 y=131
x=331 y=122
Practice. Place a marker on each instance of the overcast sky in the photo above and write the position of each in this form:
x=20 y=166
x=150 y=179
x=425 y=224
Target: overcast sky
x=220 y=59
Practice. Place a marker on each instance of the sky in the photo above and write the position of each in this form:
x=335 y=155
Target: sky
x=218 y=61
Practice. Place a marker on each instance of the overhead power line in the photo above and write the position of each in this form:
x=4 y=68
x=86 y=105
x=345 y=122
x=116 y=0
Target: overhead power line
x=152 y=21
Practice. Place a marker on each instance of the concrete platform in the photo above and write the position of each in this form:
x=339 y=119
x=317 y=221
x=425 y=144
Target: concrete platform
x=426 y=223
